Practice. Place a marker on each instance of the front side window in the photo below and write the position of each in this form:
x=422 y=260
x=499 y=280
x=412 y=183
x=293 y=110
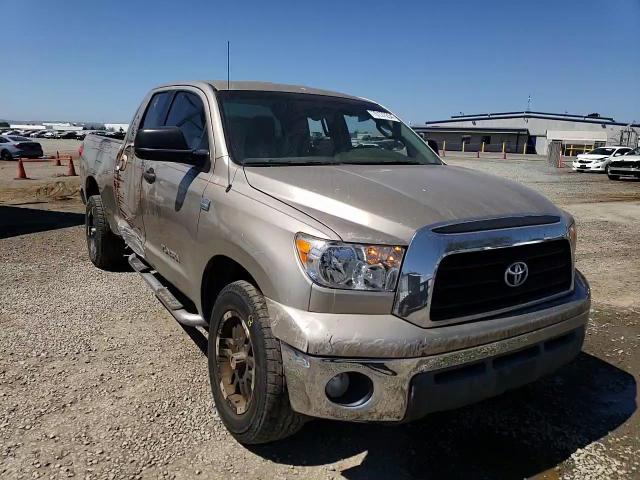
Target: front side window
x=277 y=128
x=157 y=110
x=187 y=113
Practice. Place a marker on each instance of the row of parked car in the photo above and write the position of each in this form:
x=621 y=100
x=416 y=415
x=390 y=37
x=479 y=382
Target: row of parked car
x=77 y=135
x=615 y=161
x=14 y=144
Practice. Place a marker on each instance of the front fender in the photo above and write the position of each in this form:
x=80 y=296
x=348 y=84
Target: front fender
x=258 y=234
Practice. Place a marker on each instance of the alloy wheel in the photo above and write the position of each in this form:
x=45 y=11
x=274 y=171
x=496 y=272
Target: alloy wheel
x=235 y=361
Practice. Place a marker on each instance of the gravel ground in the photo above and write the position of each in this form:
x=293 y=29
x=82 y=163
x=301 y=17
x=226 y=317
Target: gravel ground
x=98 y=381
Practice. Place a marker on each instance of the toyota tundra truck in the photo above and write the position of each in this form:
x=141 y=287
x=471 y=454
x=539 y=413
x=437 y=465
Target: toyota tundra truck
x=341 y=268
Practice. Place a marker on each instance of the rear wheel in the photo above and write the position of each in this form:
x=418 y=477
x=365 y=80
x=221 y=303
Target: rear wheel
x=613 y=177
x=245 y=368
x=6 y=155
x=106 y=249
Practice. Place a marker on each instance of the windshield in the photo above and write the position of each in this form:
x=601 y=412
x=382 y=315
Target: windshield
x=634 y=152
x=278 y=128
x=601 y=151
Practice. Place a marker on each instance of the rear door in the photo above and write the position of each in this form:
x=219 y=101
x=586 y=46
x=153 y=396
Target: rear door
x=129 y=168
x=172 y=194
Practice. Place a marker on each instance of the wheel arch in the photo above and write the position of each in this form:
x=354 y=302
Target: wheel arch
x=220 y=271
x=91 y=187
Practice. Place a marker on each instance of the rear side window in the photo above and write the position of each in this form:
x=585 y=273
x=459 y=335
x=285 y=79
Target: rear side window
x=187 y=113
x=157 y=110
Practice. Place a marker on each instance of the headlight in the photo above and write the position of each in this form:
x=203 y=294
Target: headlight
x=573 y=235
x=350 y=265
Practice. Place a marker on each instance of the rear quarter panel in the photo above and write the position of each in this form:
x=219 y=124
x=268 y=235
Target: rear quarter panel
x=98 y=160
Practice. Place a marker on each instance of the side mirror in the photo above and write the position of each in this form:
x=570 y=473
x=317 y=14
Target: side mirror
x=165 y=144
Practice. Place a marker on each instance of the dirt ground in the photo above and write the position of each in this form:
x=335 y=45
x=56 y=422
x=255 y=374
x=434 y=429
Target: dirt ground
x=45 y=181
x=98 y=381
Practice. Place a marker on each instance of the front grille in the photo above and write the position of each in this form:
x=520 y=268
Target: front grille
x=625 y=164
x=472 y=283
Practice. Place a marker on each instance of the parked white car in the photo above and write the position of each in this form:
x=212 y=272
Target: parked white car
x=626 y=166
x=598 y=159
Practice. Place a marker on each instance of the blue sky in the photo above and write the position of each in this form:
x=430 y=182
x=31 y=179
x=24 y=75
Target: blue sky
x=425 y=60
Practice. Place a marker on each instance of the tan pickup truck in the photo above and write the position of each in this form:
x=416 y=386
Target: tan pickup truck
x=341 y=268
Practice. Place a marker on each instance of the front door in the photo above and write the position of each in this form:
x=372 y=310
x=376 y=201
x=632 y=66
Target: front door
x=172 y=193
x=127 y=180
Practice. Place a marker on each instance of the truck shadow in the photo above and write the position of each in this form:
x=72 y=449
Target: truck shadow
x=516 y=435
x=21 y=221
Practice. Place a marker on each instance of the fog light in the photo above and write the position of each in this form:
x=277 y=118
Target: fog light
x=349 y=389
x=337 y=386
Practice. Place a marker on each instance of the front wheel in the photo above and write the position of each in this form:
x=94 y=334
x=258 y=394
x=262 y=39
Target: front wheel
x=6 y=155
x=613 y=177
x=245 y=368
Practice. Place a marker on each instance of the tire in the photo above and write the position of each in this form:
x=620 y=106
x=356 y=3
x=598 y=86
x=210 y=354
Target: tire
x=267 y=415
x=106 y=249
x=6 y=155
x=613 y=177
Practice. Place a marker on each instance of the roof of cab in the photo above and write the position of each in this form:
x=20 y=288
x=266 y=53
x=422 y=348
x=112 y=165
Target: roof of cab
x=261 y=86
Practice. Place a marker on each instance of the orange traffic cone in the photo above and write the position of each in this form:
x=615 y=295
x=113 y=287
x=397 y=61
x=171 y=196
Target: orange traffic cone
x=22 y=175
x=478 y=154
x=71 y=171
x=56 y=161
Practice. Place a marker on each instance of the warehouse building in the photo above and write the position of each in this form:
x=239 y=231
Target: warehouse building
x=528 y=132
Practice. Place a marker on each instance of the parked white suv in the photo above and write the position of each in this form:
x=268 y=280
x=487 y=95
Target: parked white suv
x=598 y=159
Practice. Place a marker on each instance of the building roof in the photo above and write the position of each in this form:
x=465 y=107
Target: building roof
x=437 y=128
x=530 y=114
x=593 y=116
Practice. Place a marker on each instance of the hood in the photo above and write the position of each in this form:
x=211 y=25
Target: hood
x=589 y=156
x=387 y=204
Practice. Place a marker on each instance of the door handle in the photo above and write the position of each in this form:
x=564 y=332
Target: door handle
x=149 y=175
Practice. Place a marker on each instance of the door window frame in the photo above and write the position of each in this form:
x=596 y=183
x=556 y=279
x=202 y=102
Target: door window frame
x=207 y=166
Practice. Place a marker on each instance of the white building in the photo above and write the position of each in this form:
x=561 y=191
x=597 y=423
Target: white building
x=23 y=126
x=530 y=131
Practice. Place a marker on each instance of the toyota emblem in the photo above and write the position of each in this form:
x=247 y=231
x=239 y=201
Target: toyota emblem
x=516 y=274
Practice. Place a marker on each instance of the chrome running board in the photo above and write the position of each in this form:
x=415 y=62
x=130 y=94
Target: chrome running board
x=162 y=293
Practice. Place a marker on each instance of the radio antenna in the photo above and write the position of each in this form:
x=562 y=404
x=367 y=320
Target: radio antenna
x=227 y=64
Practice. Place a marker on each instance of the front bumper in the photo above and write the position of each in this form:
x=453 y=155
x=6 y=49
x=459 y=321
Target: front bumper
x=588 y=167
x=28 y=154
x=407 y=388
x=626 y=171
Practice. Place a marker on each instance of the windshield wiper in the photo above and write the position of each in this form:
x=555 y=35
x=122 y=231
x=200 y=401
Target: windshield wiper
x=390 y=162
x=286 y=164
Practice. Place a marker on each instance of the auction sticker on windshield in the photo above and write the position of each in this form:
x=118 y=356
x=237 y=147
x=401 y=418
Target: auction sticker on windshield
x=383 y=115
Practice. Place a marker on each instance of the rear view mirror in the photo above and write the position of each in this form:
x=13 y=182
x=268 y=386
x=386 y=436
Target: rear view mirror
x=162 y=143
